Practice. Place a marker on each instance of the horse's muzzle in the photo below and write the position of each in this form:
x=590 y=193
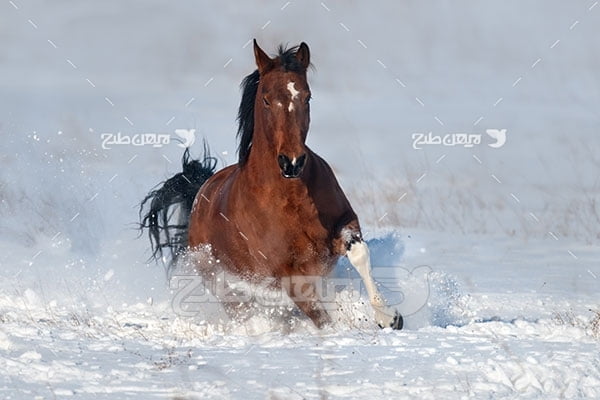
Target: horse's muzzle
x=291 y=168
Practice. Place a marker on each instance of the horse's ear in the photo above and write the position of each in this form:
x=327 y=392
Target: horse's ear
x=303 y=55
x=263 y=61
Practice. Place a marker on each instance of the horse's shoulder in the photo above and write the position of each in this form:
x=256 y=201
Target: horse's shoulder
x=324 y=175
x=326 y=190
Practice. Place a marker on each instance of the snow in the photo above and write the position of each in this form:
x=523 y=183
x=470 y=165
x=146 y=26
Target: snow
x=490 y=254
x=488 y=334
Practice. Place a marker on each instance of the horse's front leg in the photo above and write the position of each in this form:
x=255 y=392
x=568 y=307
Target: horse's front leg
x=357 y=252
x=303 y=291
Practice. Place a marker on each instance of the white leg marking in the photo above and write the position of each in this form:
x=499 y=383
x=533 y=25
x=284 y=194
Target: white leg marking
x=291 y=106
x=360 y=258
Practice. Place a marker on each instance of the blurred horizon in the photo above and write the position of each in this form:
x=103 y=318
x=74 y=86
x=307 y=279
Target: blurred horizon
x=73 y=71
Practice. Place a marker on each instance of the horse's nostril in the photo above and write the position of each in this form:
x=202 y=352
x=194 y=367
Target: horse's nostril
x=301 y=160
x=291 y=168
x=283 y=161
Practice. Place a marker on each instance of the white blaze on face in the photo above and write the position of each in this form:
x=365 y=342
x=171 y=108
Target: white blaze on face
x=291 y=87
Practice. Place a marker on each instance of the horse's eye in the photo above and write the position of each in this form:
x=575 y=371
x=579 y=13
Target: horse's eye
x=308 y=99
x=266 y=102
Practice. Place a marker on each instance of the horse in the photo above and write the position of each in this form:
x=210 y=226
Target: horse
x=279 y=212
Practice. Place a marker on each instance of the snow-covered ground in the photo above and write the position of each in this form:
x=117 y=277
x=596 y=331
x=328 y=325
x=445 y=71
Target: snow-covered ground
x=492 y=254
x=508 y=320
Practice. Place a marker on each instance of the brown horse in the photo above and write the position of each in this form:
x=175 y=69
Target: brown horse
x=279 y=212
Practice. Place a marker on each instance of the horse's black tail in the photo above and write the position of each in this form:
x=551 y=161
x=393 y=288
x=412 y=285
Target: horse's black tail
x=174 y=196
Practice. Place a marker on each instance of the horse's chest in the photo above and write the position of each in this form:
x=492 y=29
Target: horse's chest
x=290 y=233
x=306 y=239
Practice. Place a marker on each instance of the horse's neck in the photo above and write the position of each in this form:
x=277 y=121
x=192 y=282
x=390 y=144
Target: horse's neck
x=261 y=164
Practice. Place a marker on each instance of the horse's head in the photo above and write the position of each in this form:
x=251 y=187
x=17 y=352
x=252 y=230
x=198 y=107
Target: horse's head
x=281 y=106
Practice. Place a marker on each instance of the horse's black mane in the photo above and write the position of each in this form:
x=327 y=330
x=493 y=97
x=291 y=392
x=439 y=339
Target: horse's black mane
x=249 y=86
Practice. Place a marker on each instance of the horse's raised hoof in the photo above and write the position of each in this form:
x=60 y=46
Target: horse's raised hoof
x=397 y=322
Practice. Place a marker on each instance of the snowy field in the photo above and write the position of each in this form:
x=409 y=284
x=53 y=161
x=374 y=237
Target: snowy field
x=492 y=254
